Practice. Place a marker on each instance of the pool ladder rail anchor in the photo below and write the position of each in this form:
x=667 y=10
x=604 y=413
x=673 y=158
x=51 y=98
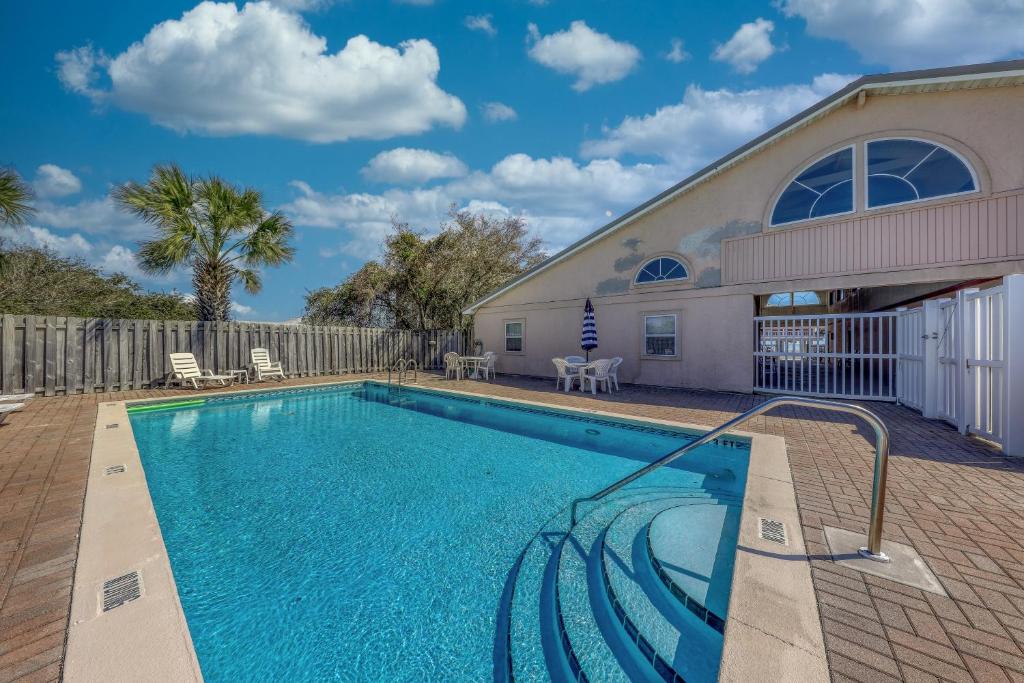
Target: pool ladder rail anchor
x=873 y=549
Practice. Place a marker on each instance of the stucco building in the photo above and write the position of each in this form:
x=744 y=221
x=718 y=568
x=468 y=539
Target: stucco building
x=898 y=189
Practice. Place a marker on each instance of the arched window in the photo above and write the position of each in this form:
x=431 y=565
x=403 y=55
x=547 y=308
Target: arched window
x=825 y=188
x=661 y=269
x=902 y=170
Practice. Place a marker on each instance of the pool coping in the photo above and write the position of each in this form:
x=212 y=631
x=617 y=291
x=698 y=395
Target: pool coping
x=773 y=629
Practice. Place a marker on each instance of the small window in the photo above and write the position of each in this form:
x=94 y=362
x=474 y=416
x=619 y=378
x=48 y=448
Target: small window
x=806 y=299
x=825 y=188
x=780 y=299
x=514 y=337
x=661 y=269
x=660 y=335
x=787 y=299
x=901 y=171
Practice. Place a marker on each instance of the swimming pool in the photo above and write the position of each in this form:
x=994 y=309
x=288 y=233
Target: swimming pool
x=354 y=533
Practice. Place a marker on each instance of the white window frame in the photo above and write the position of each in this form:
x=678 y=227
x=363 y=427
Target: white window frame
x=853 y=196
x=958 y=155
x=521 y=337
x=678 y=259
x=674 y=335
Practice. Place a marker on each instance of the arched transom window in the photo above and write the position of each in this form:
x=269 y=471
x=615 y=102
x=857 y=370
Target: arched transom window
x=902 y=170
x=825 y=188
x=661 y=269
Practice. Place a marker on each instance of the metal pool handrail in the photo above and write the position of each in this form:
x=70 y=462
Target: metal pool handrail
x=873 y=550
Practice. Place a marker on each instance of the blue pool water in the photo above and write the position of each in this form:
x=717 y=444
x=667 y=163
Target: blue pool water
x=331 y=534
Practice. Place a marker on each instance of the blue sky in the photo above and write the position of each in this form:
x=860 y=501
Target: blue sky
x=345 y=113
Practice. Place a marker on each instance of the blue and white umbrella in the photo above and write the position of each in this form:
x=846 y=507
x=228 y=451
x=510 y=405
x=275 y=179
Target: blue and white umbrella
x=589 y=339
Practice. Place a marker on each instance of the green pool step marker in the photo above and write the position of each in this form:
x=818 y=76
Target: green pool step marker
x=165 y=406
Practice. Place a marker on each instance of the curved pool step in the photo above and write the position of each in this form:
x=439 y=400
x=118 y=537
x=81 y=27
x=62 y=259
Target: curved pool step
x=685 y=551
x=534 y=651
x=675 y=641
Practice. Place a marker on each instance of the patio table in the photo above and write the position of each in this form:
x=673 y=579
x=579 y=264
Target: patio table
x=474 y=363
x=579 y=369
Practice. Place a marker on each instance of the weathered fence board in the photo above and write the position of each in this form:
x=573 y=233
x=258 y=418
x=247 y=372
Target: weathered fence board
x=55 y=355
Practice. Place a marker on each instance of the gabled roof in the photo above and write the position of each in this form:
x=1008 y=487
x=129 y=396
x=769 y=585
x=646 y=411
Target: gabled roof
x=924 y=80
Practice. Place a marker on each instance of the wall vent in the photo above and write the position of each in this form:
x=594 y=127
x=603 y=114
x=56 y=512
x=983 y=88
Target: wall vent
x=120 y=590
x=114 y=469
x=772 y=530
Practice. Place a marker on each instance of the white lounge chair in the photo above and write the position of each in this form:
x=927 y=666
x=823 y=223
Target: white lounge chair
x=487 y=367
x=613 y=371
x=7 y=408
x=185 y=369
x=566 y=375
x=263 y=367
x=452 y=366
x=595 y=373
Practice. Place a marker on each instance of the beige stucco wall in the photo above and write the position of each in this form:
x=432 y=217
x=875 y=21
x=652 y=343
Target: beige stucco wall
x=986 y=126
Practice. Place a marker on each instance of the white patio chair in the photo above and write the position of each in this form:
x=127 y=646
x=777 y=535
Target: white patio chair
x=263 y=367
x=487 y=367
x=613 y=371
x=452 y=366
x=8 y=408
x=566 y=375
x=185 y=369
x=595 y=373
x=575 y=359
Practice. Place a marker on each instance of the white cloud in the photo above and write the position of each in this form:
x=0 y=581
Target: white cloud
x=592 y=57
x=53 y=181
x=560 y=199
x=709 y=123
x=96 y=216
x=42 y=238
x=748 y=47
x=918 y=33
x=303 y=5
x=677 y=53
x=495 y=112
x=241 y=309
x=411 y=166
x=260 y=70
x=481 y=23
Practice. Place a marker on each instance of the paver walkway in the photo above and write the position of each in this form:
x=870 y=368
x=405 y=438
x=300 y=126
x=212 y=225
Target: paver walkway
x=954 y=499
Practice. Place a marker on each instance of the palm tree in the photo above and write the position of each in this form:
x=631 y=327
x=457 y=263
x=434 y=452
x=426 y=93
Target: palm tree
x=14 y=204
x=223 y=233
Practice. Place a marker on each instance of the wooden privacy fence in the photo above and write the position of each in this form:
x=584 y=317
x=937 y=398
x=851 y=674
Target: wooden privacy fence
x=58 y=355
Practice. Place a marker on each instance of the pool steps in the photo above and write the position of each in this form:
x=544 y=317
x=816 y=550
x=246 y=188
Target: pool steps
x=592 y=606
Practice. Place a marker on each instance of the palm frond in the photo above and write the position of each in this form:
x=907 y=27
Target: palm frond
x=15 y=196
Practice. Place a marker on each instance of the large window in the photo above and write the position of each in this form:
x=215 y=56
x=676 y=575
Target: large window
x=514 y=336
x=825 y=188
x=661 y=269
x=901 y=171
x=660 y=335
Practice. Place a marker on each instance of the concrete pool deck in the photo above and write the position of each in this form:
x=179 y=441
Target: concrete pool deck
x=952 y=498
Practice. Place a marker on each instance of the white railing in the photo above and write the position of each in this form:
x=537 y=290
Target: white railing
x=833 y=355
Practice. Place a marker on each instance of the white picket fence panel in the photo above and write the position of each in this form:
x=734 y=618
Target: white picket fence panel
x=985 y=347
x=830 y=355
x=949 y=382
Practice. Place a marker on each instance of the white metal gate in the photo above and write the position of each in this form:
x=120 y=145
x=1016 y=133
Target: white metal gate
x=833 y=355
x=910 y=351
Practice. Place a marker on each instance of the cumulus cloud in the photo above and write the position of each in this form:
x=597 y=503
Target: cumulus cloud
x=241 y=309
x=481 y=23
x=709 y=123
x=53 y=181
x=96 y=216
x=260 y=70
x=495 y=112
x=42 y=238
x=919 y=33
x=748 y=47
x=593 y=58
x=560 y=199
x=303 y=5
x=676 y=53
x=410 y=166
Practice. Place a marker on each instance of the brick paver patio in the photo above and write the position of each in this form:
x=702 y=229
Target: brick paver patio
x=954 y=499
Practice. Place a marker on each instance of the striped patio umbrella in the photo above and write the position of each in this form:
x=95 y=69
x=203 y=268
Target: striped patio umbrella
x=589 y=338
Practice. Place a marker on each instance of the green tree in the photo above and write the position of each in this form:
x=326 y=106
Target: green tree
x=15 y=209
x=424 y=282
x=38 y=282
x=224 y=234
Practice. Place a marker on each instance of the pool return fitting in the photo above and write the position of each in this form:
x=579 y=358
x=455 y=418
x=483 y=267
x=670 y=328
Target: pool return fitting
x=873 y=550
